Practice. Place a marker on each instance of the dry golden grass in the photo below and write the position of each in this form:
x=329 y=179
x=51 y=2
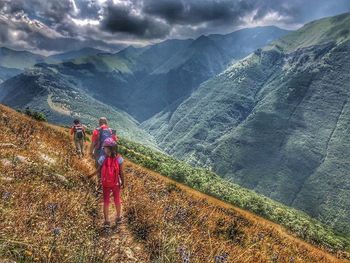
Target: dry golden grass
x=174 y=222
x=49 y=212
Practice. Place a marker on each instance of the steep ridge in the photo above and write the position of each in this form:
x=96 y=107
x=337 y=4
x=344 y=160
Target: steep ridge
x=14 y=62
x=276 y=122
x=74 y=54
x=7 y=73
x=144 y=81
x=18 y=59
x=165 y=221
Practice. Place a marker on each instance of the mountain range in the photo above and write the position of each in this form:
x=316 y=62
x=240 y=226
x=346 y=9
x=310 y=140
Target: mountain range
x=263 y=107
x=14 y=62
x=276 y=122
x=135 y=82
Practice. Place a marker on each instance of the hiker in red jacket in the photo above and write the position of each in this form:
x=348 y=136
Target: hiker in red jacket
x=110 y=167
x=78 y=132
x=99 y=135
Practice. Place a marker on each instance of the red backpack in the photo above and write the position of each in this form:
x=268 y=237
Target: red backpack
x=110 y=172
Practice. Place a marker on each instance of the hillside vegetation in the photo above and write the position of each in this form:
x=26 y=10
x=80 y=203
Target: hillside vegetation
x=276 y=122
x=49 y=212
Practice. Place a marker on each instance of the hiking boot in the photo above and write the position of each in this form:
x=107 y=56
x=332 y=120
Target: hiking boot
x=118 y=220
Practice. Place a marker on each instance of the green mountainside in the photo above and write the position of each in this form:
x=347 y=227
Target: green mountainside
x=7 y=73
x=210 y=183
x=43 y=90
x=18 y=59
x=13 y=62
x=130 y=85
x=276 y=122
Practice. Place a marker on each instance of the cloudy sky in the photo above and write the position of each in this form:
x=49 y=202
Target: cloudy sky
x=51 y=26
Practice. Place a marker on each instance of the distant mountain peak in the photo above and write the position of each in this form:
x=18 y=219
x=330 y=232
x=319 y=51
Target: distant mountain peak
x=202 y=42
x=73 y=54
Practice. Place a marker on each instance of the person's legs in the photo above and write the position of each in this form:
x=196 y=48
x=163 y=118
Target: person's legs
x=77 y=146
x=81 y=145
x=98 y=183
x=117 y=200
x=106 y=195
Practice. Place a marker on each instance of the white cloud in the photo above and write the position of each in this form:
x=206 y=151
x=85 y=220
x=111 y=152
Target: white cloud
x=270 y=18
x=86 y=22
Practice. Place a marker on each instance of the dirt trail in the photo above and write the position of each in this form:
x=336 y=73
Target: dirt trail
x=118 y=238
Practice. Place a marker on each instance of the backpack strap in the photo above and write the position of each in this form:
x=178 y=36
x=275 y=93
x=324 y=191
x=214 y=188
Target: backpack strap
x=104 y=160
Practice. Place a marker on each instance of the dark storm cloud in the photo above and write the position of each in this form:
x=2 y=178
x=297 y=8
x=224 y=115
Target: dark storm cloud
x=123 y=18
x=194 y=12
x=189 y=18
x=56 y=25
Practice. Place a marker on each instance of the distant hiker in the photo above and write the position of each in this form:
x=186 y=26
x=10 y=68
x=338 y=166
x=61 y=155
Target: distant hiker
x=78 y=132
x=99 y=135
x=112 y=178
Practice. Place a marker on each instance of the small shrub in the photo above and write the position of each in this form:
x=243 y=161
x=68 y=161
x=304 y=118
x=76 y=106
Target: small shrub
x=39 y=116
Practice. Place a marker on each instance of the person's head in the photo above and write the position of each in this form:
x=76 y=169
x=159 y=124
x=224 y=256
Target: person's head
x=76 y=121
x=102 y=121
x=110 y=147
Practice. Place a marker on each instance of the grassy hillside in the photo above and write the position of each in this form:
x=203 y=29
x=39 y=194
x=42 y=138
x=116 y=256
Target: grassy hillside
x=276 y=122
x=48 y=210
x=208 y=182
x=165 y=221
